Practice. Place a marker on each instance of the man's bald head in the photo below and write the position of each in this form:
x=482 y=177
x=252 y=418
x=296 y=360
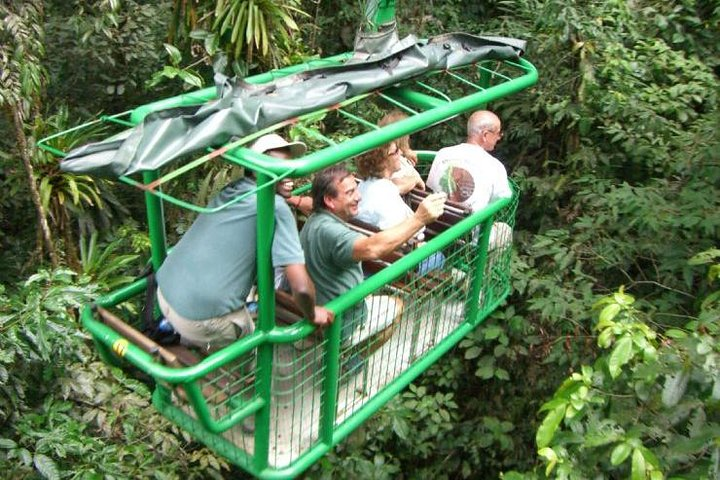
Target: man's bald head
x=484 y=129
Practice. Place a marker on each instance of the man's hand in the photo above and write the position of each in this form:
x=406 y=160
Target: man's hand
x=323 y=317
x=431 y=208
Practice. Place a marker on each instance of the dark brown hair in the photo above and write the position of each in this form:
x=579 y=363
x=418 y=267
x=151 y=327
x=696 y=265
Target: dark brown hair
x=325 y=182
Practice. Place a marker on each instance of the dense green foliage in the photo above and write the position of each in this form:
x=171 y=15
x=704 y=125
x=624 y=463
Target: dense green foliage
x=603 y=364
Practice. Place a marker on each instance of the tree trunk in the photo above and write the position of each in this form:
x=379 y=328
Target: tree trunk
x=34 y=192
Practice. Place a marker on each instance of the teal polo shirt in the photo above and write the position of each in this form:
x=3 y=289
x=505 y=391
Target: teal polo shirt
x=210 y=271
x=328 y=244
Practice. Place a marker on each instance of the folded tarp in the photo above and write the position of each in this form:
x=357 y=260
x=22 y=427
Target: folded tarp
x=241 y=109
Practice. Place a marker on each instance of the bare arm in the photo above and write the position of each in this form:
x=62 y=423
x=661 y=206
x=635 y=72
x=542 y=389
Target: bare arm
x=382 y=243
x=302 y=203
x=408 y=182
x=303 y=291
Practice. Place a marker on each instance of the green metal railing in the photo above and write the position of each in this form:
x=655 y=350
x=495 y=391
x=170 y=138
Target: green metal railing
x=199 y=420
x=211 y=400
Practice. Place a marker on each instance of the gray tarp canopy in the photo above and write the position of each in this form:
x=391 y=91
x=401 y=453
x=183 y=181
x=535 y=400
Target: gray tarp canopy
x=241 y=109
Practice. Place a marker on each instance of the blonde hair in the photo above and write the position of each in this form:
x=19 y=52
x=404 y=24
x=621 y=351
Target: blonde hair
x=403 y=142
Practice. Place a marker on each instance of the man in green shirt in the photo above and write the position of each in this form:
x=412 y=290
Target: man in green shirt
x=334 y=251
x=206 y=278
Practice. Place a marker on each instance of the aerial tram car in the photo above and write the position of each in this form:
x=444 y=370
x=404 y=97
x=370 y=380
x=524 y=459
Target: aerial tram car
x=286 y=379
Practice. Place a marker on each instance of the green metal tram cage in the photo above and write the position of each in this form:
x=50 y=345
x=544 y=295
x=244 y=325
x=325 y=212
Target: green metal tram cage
x=294 y=384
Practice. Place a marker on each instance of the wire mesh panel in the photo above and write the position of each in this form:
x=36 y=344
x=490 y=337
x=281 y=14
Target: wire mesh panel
x=381 y=338
x=298 y=373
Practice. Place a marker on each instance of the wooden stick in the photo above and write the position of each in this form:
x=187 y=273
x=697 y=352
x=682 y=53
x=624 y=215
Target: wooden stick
x=138 y=338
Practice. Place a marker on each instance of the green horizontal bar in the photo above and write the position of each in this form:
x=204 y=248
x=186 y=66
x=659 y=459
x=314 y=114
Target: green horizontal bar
x=232 y=147
x=496 y=73
x=196 y=208
x=111 y=119
x=313 y=133
x=464 y=80
x=42 y=144
x=213 y=153
x=358 y=119
x=213 y=441
x=410 y=260
x=148 y=364
x=123 y=294
x=435 y=91
x=197 y=400
x=369 y=140
x=377 y=401
x=397 y=103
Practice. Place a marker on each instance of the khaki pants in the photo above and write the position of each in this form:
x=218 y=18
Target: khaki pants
x=210 y=334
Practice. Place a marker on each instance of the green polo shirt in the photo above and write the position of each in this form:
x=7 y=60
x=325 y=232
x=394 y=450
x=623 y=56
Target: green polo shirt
x=212 y=268
x=328 y=244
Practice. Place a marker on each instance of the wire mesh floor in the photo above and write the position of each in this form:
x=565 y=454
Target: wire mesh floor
x=298 y=375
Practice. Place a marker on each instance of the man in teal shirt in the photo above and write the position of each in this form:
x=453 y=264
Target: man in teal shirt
x=206 y=278
x=334 y=251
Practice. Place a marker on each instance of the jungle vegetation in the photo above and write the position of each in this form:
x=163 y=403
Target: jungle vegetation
x=605 y=361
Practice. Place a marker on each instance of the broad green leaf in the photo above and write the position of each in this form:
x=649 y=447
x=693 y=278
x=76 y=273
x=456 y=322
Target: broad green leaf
x=623 y=298
x=707 y=256
x=609 y=313
x=622 y=353
x=650 y=457
x=605 y=338
x=549 y=455
x=675 y=386
x=401 y=428
x=638 y=466
x=493 y=332
x=620 y=453
x=713 y=273
x=705 y=346
x=46 y=466
x=472 y=352
x=675 y=333
x=513 y=475
x=174 y=53
x=710 y=299
x=550 y=424
x=553 y=404
x=7 y=443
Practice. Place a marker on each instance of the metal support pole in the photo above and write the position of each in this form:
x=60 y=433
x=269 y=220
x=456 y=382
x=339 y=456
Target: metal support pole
x=379 y=12
x=478 y=271
x=156 y=222
x=328 y=407
x=266 y=317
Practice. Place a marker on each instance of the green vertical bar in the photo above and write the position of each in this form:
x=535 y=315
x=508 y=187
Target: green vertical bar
x=484 y=82
x=383 y=12
x=328 y=406
x=197 y=400
x=471 y=307
x=156 y=222
x=266 y=317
